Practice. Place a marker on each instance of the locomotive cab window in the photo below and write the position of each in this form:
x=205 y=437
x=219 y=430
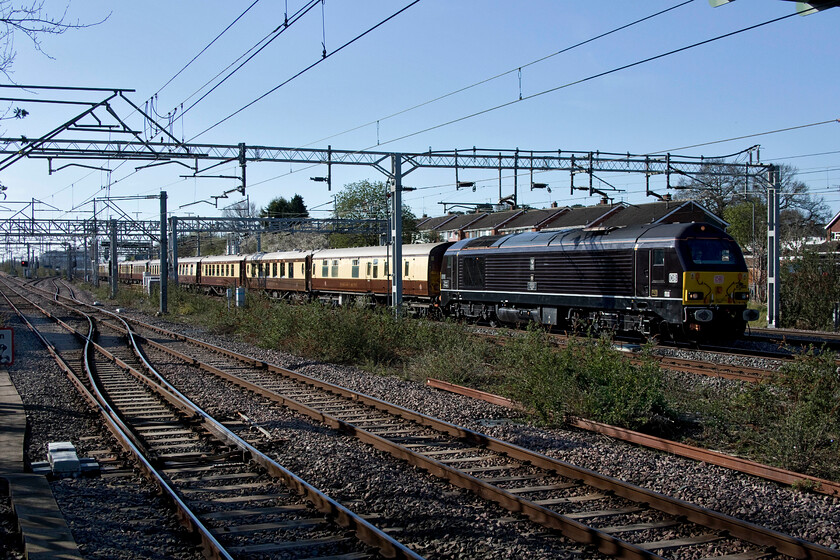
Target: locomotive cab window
x=713 y=252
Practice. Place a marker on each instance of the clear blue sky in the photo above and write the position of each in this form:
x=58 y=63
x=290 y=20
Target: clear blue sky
x=778 y=76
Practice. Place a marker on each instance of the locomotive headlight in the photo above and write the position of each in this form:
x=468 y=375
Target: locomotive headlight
x=695 y=295
x=741 y=296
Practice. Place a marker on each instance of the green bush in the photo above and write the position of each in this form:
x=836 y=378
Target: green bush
x=807 y=412
x=810 y=285
x=586 y=378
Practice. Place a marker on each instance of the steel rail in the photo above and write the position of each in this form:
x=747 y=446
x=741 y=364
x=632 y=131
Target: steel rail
x=760 y=536
x=387 y=546
x=124 y=436
x=745 y=466
x=368 y=533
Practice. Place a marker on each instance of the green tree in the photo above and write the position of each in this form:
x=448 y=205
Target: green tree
x=365 y=200
x=810 y=284
x=282 y=208
x=748 y=225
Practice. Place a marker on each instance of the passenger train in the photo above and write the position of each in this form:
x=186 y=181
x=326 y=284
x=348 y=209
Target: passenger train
x=684 y=281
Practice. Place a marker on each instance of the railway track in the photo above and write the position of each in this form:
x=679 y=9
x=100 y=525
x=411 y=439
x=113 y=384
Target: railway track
x=237 y=500
x=616 y=518
x=797 y=338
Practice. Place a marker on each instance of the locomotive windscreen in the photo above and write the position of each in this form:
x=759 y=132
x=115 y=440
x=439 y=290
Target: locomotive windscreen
x=713 y=252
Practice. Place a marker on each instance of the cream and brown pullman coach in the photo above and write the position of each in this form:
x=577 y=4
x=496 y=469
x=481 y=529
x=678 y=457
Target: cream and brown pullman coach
x=132 y=271
x=188 y=271
x=338 y=274
x=280 y=274
x=217 y=274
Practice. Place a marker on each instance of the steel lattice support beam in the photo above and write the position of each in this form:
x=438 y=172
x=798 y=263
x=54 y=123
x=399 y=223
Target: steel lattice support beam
x=21 y=229
x=573 y=161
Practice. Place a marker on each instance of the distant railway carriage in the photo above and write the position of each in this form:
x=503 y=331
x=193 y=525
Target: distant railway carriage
x=219 y=273
x=132 y=271
x=363 y=272
x=188 y=271
x=688 y=280
x=281 y=274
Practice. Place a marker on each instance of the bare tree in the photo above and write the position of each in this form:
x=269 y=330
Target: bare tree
x=32 y=20
x=242 y=209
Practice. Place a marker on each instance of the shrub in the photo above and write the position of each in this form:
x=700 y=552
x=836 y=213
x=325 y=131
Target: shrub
x=587 y=378
x=807 y=423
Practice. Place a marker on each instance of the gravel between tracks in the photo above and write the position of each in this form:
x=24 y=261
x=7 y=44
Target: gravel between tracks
x=112 y=518
x=812 y=517
x=451 y=523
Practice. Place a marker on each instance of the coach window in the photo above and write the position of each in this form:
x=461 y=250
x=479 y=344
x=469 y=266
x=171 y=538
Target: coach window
x=292 y=270
x=282 y=270
x=406 y=269
x=334 y=271
x=354 y=268
x=375 y=268
x=325 y=268
x=274 y=270
x=369 y=269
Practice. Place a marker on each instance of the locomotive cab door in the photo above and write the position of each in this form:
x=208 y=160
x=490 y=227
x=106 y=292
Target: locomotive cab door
x=643 y=272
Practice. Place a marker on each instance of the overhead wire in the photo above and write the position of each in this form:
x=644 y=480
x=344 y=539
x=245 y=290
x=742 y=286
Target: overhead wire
x=276 y=33
x=287 y=22
x=151 y=102
x=300 y=13
x=755 y=135
x=314 y=64
x=587 y=79
x=505 y=73
x=193 y=59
